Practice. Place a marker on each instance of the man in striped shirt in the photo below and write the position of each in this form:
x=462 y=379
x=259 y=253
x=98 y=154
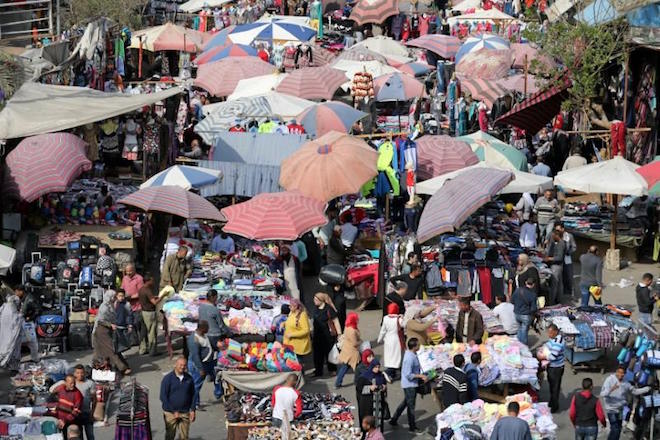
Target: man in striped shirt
x=555 y=370
x=454 y=383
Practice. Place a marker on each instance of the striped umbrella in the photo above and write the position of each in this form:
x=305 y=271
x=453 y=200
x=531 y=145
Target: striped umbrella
x=321 y=56
x=520 y=50
x=448 y=208
x=220 y=39
x=275 y=216
x=168 y=36
x=493 y=151
x=330 y=166
x=231 y=50
x=516 y=83
x=444 y=45
x=485 y=63
x=483 y=41
x=173 y=200
x=269 y=31
x=397 y=86
x=415 y=68
x=484 y=89
x=442 y=154
x=221 y=77
x=329 y=116
x=312 y=82
x=373 y=11
x=184 y=176
x=43 y=164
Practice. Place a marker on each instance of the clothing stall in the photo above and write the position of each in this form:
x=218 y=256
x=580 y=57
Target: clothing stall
x=133 y=420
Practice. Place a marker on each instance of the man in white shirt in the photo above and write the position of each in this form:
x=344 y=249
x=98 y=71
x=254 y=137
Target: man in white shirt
x=349 y=231
x=528 y=234
x=575 y=160
x=525 y=206
x=504 y=312
x=286 y=402
x=223 y=243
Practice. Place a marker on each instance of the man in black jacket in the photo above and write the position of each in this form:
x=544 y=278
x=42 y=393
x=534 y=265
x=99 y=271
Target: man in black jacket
x=645 y=299
x=396 y=297
x=177 y=392
x=454 y=383
x=414 y=280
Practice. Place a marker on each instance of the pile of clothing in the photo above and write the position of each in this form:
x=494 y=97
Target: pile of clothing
x=447 y=311
x=258 y=356
x=481 y=417
x=300 y=431
x=248 y=321
x=181 y=315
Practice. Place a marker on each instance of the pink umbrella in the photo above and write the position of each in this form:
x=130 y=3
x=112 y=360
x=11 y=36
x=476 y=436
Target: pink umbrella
x=437 y=155
x=312 y=82
x=173 y=200
x=444 y=45
x=168 y=37
x=330 y=166
x=487 y=90
x=230 y=50
x=415 y=68
x=45 y=163
x=361 y=53
x=517 y=83
x=329 y=116
x=221 y=77
x=485 y=64
x=520 y=50
x=275 y=216
x=373 y=11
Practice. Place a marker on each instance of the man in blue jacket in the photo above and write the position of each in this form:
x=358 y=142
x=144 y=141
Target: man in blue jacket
x=472 y=373
x=177 y=391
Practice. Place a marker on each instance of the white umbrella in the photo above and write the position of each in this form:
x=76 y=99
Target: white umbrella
x=258 y=85
x=523 y=182
x=614 y=176
x=385 y=46
x=198 y=5
x=184 y=176
x=7 y=257
x=351 y=67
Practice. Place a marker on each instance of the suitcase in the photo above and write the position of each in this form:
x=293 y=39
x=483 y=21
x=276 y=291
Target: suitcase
x=65 y=275
x=79 y=336
x=34 y=273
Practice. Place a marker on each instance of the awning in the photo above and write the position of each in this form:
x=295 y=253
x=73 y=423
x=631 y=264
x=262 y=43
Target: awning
x=537 y=110
x=40 y=108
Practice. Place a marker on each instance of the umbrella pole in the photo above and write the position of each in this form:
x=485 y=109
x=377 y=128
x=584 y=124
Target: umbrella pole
x=398 y=113
x=613 y=231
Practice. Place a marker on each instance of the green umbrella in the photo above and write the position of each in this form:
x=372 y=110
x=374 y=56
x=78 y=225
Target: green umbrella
x=493 y=151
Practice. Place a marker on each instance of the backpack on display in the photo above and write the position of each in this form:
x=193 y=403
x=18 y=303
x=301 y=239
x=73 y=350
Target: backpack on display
x=51 y=326
x=86 y=277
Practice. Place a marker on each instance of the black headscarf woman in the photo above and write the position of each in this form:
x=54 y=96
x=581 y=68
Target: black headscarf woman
x=371 y=388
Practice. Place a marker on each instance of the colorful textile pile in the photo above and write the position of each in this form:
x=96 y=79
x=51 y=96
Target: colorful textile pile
x=300 y=431
x=251 y=322
x=447 y=311
x=462 y=419
x=258 y=356
x=181 y=315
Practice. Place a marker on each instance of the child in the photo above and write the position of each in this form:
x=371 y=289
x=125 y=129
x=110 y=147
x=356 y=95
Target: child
x=278 y=323
x=645 y=299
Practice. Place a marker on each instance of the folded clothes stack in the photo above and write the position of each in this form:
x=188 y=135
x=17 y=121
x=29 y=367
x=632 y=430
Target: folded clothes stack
x=304 y=431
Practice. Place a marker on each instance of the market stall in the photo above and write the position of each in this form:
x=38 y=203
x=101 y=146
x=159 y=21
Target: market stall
x=58 y=236
x=446 y=313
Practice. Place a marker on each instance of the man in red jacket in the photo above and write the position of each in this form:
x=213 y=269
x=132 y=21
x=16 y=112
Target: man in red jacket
x=586 y=411
x=69 y=404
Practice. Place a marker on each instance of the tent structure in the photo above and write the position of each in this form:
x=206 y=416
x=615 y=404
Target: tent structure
x=63 y=107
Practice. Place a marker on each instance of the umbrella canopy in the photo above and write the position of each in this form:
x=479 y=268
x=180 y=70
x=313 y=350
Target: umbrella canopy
x=373 y=11
x=257 y=85
x=230 y=50
x=221 y=77
x=483 y=41
x=184 y=176
x=43 y=164
x=493 y=151
x=312 y=82
x=415 y=68
x=444 y=45
x=397 y=86
x=484 y=89
x=198 y=5
x=361 y=54
x=321 y=56
x=220 y=39
x=458 y=199
x=385 y=46
x=614 y=176
x=442 y=154
x=329 y=116
x=275 y=216
x=350 y=68
x=485 y=64
x=168 y=36
x=516 y=83
x=523 y=182
x=173 y=200
x=269 y=31
x=466 y=5
x=7 y=258
x=520 y=50
x=330 y=166
x=650 y=172
x=490 y=15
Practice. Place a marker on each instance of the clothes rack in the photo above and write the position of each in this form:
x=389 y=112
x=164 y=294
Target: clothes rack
x=133 y=420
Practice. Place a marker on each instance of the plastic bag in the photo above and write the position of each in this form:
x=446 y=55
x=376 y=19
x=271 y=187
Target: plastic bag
x=333 y=356
x=29 y=333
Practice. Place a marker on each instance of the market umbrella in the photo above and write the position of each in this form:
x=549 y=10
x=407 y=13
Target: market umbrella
x=373 y=11
x=271 y=31
x=493 y=151
x=321 y=56
x=452 y=204
x=198 y=5
x=484 y=89
x=523 y=182
x=43 y=164
x=481 y=15
x=329 y=166
x=350 y=68
x=484 y=63
x=415 y=68
x=231 y=50
x=483 y=41
x=442 y=154
x=219 y=39
x=312 y=82
x=386 y=46
x=173 y=200
x=275 y=216
x=257 y=85
x=221 y=77
x=329 y=116
x=466 y=5
x=519 y=83
x=650 y=172
x=397 y=86
x=361 y=54
x=184 y=176
x=522 y=50
x=444 y=45
x=168 y=36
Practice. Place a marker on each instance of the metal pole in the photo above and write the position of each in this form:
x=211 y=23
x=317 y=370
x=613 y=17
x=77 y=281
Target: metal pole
x=50 y=18
x=625 y=87
x=57 y=17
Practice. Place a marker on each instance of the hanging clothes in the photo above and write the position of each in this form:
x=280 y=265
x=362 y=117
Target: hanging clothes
x=485 y=284
x=385 y=164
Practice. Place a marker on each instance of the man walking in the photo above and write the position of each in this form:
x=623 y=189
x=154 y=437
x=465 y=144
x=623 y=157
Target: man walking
x=148 y=303
x=571 y=247
x=546 y=209
x=616 y=393
x=645 y=299
x=454 y=383
x=585 y=412
x=87 y=389
x=591 y=274
x=411 y=374
x=555 y=368
x=555 y=253
x=524 y=307
x=131 y=283
x=511 y=427
x=177 y=392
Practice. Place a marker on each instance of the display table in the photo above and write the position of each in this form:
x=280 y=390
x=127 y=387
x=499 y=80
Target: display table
x=625 y=243
x=240 y=431
x=99 y=232
x=256 y=382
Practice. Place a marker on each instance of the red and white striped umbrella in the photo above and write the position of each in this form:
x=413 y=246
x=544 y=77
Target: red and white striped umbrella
x=221 y=77
x=444 y=45
x=373 y=11
x=173 y=200
x=487 y=90
x=312 y=82
x=45 y=163
x=442 y=154
x=275 y=216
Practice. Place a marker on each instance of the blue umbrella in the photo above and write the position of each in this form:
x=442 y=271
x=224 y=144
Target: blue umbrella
x=234 y=50
x=329 y=116
x=248 y=33
x=484 y=41
x=184 y=176
x=220 y=39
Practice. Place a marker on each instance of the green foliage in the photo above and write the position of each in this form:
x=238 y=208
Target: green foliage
x=582 y=49
x=123 y=12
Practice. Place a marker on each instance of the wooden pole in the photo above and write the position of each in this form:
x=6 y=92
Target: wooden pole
x=625 y=87
x=615 y=201
x=526 y=70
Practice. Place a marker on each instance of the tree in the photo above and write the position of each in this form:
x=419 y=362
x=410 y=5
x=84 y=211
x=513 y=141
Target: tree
x=123 y=12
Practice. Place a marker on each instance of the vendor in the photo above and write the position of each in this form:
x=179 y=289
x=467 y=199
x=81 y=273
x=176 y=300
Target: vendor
x=223 y=243
x=416 y=327
x=286 y=402
x=415 y=281
x=176 y=269
x=470 y=325
x=289 y=266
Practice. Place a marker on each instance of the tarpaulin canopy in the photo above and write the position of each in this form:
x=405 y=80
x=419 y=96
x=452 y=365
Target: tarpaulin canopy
x=258 y=382
x=40 y=108
x=537 y=110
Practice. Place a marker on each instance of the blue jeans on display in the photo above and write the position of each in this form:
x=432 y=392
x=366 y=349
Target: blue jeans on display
x=342 y=369
x=409 y=405
x=586 y=432
x=646 y=318
x=524 y=321
x=616 y=422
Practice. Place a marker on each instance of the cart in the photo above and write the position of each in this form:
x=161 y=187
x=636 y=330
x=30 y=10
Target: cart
x=580 y=359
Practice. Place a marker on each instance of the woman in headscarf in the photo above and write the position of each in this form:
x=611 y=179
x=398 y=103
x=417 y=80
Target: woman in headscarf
x=349 y=356
x=297 y=331
x=415 y=326
x=11 y=329
x=326 y=330
x=365 y=357
x=104 y=326
x=371 y=387
x=289 y=266
x=524 y=270
x=391 y=331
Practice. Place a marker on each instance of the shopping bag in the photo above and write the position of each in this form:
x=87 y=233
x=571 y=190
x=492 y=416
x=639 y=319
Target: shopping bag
x=365 y=345
x=333 y=357
x=29 y=333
